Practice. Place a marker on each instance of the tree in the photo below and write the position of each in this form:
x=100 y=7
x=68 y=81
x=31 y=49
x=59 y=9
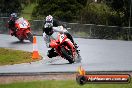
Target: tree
x=9 y=6
x=83 y=2
x=95 y=13
x=66 y=10
x=123 y=7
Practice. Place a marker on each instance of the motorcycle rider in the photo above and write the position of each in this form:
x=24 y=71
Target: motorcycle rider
x=50 y=26
x=11 y=23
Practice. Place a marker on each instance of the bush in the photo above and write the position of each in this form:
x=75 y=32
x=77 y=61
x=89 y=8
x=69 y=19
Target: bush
x=95 y=13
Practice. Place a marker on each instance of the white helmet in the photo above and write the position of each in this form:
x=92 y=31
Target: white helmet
x=49 y=18
x=49 y=21
x=48 y=25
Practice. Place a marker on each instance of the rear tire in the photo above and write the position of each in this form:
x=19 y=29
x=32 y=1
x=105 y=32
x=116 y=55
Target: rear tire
x=30 y=37
x=67 y=56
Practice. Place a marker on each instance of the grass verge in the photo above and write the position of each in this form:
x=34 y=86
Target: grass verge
x=61 y=84
x=9 y=56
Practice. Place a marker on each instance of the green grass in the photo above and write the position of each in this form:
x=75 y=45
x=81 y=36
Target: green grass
x=27 y=11
x=9 y=56
x=61 y=84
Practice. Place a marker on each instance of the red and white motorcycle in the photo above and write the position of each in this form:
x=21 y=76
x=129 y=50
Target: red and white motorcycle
x=23 y=30
x=64 y=47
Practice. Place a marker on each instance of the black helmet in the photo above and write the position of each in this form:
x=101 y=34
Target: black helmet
x=48 y=25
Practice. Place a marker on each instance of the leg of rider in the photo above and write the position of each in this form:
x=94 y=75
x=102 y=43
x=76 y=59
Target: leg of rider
x=14 y=31
x=70 y=37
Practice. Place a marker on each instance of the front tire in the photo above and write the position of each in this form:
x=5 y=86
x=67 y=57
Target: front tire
x=30 y=37
x=20 y=39
x=67 y=55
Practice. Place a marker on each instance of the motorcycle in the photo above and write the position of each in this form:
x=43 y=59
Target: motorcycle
x=23 y=30
x=64 y=47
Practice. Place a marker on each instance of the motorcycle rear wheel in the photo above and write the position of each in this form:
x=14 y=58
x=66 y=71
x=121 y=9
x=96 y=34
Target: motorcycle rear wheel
x=67 y=56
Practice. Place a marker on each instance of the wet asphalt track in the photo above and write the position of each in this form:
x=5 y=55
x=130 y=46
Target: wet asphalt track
x=97 y=55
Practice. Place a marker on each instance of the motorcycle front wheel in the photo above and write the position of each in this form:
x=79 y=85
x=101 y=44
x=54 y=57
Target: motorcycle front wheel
x=30 y=37
x=67 y=55
x=20 y=39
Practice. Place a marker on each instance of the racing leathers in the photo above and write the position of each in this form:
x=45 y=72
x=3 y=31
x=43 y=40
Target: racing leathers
x=11 y=26
x=57 y=27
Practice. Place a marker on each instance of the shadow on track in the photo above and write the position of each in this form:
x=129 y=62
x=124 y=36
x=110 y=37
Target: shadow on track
x=20 y=42
x=62 y=64
x=65 y=63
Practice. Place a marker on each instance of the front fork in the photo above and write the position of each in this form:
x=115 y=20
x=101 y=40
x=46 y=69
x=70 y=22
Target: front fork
x=69 y=45
x=26 y=32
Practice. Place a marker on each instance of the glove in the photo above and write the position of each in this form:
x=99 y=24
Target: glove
x=53 y=44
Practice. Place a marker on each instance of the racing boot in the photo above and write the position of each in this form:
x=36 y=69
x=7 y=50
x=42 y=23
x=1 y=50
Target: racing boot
x=52 y=53
x=13 y=34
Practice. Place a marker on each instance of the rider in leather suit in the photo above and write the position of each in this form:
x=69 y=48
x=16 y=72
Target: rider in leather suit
x=11 y=23
x=50 y=26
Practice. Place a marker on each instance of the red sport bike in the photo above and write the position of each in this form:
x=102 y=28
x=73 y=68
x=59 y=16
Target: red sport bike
x=23 y=30
x=64 y=47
